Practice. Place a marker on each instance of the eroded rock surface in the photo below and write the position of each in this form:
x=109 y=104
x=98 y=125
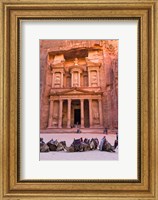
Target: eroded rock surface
x=94 y=65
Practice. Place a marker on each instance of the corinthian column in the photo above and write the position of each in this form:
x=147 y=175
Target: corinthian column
x=82 y=113
x=60 y=113
x=90 y=113
x=50 y=114
x=69 y=113
x=100 y=112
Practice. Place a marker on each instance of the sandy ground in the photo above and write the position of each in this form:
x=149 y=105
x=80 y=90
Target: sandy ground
x=88 y=155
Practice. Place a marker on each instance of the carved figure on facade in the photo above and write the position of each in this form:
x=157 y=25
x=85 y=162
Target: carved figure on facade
x=55 y=120
x=95 y=114
x=74 y=70
x=85 y=80
x=57 y=79
x=76 y=61
x=94 y=78
x=75 y=82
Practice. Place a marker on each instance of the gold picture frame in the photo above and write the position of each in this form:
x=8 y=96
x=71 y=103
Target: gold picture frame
x=11 y=14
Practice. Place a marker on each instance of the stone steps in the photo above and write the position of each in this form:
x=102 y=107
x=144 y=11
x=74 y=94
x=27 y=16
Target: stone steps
x=73 y=130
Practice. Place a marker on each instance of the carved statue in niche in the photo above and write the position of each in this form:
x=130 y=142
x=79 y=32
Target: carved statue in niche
x=75 y=81
x=94 y=78
x=68 y=82
x=95 y=118
x=57 y=79
x=85 y=80
x=76 y=61
x=95 y=113
x=55 y=120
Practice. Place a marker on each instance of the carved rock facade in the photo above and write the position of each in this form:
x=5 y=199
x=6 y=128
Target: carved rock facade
x=78 y=83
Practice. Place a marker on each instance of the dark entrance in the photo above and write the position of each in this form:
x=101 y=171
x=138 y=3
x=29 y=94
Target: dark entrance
x=77 y=116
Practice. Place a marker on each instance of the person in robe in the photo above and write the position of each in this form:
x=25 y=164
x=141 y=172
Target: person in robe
x=102 y=143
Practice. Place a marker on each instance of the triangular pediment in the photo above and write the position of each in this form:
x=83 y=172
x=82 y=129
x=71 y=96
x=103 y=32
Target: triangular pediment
x=76 y=91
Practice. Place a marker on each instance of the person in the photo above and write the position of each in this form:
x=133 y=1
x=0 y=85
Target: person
x=102 y=143
x=105 y=131
x=116 y=141
x=116 y=135
x=78 y=130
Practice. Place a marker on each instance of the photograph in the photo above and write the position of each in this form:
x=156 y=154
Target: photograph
x=79 y=99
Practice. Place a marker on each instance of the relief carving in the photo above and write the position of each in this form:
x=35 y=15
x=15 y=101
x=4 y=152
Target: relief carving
x=57 y=79
x=75 y=81
x=76 y=61
x=55 y=120
x=92 y=66
x=95 y=113
x=94 y=79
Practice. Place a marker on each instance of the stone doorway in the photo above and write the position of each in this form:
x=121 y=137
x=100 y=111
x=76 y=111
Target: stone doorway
x=86 y=113
x=75 y=105
x=77 y=116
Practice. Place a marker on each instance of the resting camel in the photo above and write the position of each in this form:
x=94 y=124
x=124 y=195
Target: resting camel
x=43 y=147
x=105 y=145
x=54 y=145
x=78 y=145
x=108 y=147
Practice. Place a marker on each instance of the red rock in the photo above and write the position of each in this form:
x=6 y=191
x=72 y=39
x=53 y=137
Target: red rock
x=80 y=55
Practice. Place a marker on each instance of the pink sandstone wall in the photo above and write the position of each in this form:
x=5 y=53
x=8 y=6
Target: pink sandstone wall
x=108 y=75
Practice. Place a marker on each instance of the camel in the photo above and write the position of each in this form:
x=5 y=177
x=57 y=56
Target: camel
x=105 y=145
x=78 y=145
x=52 y=145
x=56 y=146
x=43 y=147
x=86 y=140
x=94 y=143
x=108 y=147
